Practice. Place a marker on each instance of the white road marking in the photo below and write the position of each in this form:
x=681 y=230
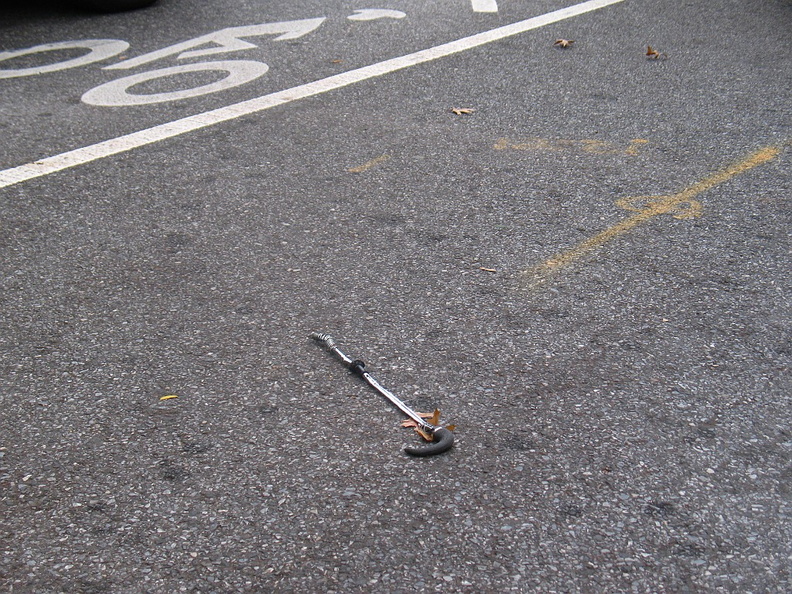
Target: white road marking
x=372 y=14
x=225 y=40
x=484 y=5
x=101 y=49
x=114 y=93
x=161 y=132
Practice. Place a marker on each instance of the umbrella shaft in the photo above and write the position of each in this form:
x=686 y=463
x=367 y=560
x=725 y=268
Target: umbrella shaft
x=357 y=367
x=423 y=424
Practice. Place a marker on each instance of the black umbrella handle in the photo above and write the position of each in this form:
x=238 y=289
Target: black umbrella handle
x=442 y=442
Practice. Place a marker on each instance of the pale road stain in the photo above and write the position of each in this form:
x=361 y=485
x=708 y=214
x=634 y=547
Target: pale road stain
x=369 y=164
x=632 y=150
x=586 y=145
x=681 y=205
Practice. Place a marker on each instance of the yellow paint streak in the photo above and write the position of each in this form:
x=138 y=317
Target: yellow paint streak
x=369 y=164
x=632 y=149
x=585 y=145
x=686 y=209
x=654 y=206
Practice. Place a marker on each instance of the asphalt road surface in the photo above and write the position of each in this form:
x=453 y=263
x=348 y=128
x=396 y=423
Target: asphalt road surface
x=580 y=255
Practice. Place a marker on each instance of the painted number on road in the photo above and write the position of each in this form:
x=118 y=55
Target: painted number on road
x=116 y=93
x=233 y=39
x=99 y=49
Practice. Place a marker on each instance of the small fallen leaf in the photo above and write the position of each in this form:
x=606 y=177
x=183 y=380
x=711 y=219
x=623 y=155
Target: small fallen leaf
x=487 y=269
x=564 y=43
x=653 y=54
x=424 y=434
x=432 y=418
x=462 y=110
x=336 y=61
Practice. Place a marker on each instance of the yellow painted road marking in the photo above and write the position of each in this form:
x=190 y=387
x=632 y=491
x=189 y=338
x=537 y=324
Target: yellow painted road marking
x=587 y=145
x=681 y=203
x=632 y=150
x=689 y=209
x=369 y=164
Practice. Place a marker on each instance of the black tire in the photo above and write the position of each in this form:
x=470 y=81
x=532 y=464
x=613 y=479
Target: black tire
x=115 y=5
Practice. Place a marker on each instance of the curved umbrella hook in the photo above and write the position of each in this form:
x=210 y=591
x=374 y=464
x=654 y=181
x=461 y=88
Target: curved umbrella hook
x=443 y=440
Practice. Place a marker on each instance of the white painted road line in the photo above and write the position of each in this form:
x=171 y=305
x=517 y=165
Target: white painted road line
x=484 y=5
x=121 y=144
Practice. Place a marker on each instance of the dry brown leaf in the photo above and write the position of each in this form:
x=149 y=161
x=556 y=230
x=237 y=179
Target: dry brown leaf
x=432 y=418
x=653 y=54
x=412 y=424
x=462 y=110
x=564 y=43
x=420 y=431
x=429 y=437
x=424 y=434
x=435 y=418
